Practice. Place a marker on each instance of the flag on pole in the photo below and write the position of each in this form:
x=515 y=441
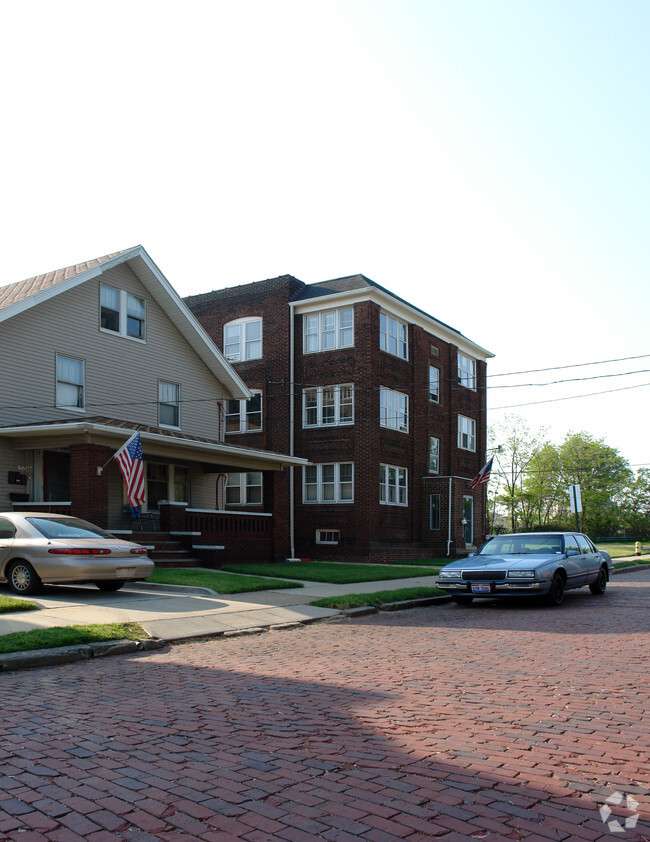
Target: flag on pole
x=129 y=459
x=483 y=476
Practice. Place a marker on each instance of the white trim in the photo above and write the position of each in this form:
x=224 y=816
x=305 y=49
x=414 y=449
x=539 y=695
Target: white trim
x=230 y=512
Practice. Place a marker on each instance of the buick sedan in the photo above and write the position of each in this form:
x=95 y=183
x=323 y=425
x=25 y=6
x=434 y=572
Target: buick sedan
x=36 y=548
x=528 y=564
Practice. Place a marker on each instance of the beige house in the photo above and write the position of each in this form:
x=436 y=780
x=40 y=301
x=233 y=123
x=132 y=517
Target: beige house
x=91 y=354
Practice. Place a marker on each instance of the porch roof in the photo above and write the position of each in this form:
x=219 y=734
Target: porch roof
x=169 y=444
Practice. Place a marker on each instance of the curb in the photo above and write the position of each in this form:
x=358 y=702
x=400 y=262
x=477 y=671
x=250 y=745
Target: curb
x=632 y=568
x=80 y=652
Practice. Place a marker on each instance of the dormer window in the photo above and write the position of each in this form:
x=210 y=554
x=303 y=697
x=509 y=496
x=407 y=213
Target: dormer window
x=122 y=312
x=242 y=340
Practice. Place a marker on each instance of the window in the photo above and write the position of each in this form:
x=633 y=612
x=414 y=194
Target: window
x=327 y=536
x=392 y=485
x=327 y=406
x=466 y=433
x=329 y=483
x=434 y=455
x=434 y=511
x=328 y=330
x=242 y=340
x=434 y=384
x=244 y=489
x=169 y=404
x=392 y=336
x=466 y=371
x=121 y=312
x=70 y=376
x=394 y=410
x=244 y=416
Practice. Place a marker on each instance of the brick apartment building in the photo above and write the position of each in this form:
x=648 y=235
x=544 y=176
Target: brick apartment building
x=386 y=402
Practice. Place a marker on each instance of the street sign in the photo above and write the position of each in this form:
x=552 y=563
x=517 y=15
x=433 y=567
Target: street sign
x=576 y=500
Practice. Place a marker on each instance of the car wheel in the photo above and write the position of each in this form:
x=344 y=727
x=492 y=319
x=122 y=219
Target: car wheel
x=463 y=600
x=109 y=586
x=600 y=585
x=556 y=594
x=23 y=579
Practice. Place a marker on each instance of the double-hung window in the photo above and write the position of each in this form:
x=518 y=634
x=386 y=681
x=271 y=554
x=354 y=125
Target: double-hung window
x=244 y=416
x=434 y=384
x=70 y=383
x=244 y=489
x=122 y=312
x=328 y=330
x=466 y=371
x=466 y=433
x=328 y=406
x=242 y=340
x=328 y=483
x=394 y=410
x=169 y=404
x=393 y=485
x=393 y=336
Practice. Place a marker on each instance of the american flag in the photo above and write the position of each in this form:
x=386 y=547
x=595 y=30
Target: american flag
x=483 y=475
x=129 y=458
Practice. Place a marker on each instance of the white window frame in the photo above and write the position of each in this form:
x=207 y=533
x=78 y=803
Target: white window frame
x=244 y=414
x=246 y=345
x=328 y=330
x=393 y=485
x=466 y=371
x=165 y=402
x=328 y=536
x=130 y=308
x=64 y=382
x=328 y=402
x=393 y=410
x=434 y=455
x=328 y=483
x=466 y=433
x=434 y=384
x=246 y=483
x=393 y=336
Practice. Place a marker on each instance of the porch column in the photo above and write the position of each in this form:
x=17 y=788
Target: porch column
x=88 y=491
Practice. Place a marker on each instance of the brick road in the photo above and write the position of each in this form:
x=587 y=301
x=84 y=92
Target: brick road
x=488 y=722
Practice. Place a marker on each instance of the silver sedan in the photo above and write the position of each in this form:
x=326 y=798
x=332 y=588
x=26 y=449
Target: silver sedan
x=37 y=548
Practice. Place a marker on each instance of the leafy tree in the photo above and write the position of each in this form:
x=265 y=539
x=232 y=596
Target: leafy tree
x=635 y=504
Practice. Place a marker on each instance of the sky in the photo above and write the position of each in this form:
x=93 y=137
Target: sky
x=487 y=161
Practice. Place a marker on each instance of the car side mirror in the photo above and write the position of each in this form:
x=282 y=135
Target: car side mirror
x=572 y=552
x=469 y=555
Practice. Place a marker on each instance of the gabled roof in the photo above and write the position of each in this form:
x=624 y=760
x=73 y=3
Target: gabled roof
x=21 y=296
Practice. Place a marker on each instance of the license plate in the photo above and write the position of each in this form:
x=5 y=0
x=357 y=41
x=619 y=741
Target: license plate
x=481 y=589
x=125 y=571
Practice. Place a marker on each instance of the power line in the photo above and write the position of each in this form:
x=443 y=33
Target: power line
x=568 y=398
x=572 y=365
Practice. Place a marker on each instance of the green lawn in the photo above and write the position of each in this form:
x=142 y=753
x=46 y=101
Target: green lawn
x=9 y=603
x=356 y=600
x=619 y=549
x=333 y=572
x=223 y=583
x=69 y=635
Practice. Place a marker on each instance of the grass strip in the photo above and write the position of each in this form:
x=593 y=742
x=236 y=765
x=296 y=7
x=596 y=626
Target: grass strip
x=356 y=600
x=334 y=573
x=630 y=563
x=69 y=636
x=8 y=603
x=222 y=583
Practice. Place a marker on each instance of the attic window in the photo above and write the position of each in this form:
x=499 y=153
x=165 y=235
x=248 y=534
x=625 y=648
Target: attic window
x=122 y=312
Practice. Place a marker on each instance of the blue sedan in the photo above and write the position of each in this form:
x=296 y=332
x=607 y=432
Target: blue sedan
x=528 y=564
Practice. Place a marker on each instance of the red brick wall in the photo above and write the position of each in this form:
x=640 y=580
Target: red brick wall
x=88 y=491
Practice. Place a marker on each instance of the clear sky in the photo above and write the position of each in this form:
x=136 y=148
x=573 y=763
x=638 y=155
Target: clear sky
x=487 y=161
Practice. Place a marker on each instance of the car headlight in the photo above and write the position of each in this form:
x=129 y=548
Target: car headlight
x=521 y=574
x=450 y=574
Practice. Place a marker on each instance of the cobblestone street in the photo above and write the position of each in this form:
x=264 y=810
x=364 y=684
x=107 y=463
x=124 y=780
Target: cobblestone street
x=494 y=721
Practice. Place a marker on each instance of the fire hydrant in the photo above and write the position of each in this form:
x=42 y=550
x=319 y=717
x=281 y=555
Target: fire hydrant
x=637 y=548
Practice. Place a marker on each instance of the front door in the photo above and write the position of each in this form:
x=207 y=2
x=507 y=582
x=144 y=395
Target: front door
x=468 y=518
x=56 y=476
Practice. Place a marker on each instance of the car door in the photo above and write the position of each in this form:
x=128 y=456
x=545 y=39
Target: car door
x=574 y=564
x=7 y=533
x=589 y=556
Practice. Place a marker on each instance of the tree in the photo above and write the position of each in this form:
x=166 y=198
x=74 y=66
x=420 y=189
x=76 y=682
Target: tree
x=635 y=504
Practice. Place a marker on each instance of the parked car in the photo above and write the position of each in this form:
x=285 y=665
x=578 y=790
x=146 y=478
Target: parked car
x=37 y=548
x=528 y=564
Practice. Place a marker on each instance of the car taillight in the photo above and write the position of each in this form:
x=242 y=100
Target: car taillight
x=139 y=551
x=79 y=551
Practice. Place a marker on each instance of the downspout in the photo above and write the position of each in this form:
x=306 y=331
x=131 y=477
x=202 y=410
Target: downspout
x=291 y=432
x=449 y=525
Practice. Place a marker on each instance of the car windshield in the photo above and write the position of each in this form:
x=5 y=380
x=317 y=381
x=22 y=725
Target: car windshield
x=69 y=528
x=523 y=545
